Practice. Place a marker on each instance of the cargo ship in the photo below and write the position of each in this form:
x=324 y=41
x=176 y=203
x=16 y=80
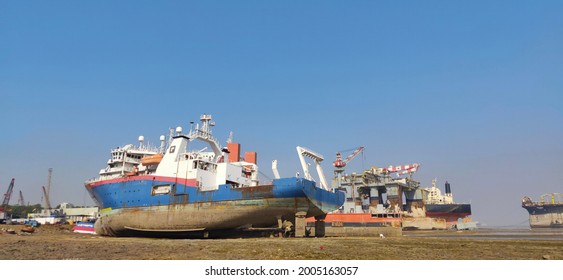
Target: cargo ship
x=84 y=227
x=174 y=191
x=545 y=214
x=443 y=206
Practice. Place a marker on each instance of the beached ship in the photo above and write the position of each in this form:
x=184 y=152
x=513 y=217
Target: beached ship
x=442 y=206
x=374 y=200
x=84 y=227
x=174 y=191
x=383 y=201
x=545 y=214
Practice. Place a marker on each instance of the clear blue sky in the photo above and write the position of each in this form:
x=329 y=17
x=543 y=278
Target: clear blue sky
x=473 y=91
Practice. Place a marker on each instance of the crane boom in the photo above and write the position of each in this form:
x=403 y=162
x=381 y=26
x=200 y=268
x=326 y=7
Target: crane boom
x=354 y=154
x=21 y=201
x=402 y=169
x=6 y=201
x=49 y=181
x=339 y=163
x=46 y=194
x=8 y=194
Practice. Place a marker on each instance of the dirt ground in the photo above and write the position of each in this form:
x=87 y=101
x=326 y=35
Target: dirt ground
x=58 y=242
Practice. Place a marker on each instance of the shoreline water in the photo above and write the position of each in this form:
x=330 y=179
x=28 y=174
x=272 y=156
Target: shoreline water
x=493 y=233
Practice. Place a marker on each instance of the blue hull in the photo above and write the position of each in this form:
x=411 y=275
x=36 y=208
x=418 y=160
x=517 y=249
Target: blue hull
x=140 y=207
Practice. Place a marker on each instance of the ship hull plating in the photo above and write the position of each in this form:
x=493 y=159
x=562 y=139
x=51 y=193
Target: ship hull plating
x=547 y=216
x=449 y=213
x=162 y=207
x=448 y=210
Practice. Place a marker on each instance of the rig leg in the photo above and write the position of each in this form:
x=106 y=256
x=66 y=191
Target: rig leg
x=300 y=224
x=320 y=226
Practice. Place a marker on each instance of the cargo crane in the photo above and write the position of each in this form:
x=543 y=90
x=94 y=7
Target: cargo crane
x=339 y=164
x=46 y=192
x=400 y=169
x=6 y=201
x=47 y=201
x=49 y=181
x=20 y=200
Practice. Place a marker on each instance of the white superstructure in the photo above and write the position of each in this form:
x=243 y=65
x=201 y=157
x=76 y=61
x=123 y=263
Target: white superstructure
x=124 y=160
x=435 y=195
x=208 y=169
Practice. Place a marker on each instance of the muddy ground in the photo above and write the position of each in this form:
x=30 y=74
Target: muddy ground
x=58 y=242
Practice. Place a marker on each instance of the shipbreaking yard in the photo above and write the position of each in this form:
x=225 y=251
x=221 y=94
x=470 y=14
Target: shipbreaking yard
x=58 y=242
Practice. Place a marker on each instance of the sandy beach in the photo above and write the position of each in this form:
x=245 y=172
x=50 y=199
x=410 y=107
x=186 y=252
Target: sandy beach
x=58 y=242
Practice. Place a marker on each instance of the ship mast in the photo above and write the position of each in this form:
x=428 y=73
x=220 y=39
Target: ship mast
x=204 y=134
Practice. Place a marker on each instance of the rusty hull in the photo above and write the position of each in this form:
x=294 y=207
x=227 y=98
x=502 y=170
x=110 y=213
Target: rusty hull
x=198 y=218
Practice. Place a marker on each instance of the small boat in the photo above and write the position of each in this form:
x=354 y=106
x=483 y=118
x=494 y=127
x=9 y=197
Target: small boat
x=84 y=227
x=151 y=159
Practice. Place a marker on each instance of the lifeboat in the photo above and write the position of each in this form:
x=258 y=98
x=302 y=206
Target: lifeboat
x=151 y=160
x=133 y=172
